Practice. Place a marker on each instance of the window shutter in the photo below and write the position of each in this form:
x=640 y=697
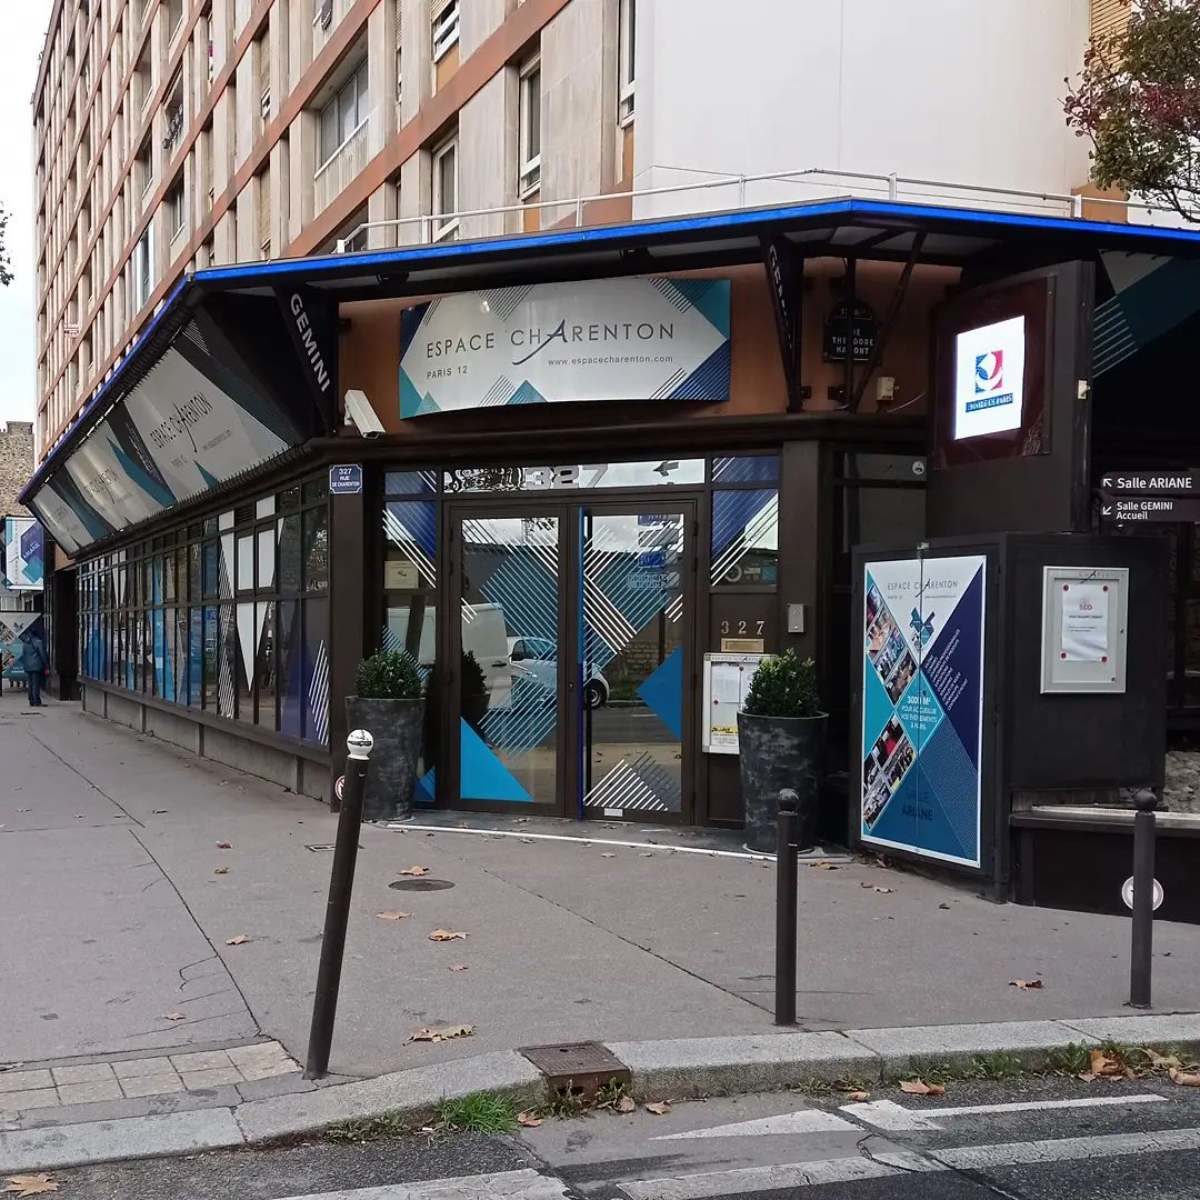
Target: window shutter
x=1108 y=17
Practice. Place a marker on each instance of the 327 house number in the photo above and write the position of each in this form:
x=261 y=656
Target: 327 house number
x=743 y=627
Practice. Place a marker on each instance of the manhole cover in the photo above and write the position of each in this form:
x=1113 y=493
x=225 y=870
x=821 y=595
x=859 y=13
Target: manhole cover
x=421 y=885
x=581 y=1068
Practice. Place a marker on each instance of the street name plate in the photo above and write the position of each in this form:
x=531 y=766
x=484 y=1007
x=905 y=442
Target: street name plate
x=1127 y=893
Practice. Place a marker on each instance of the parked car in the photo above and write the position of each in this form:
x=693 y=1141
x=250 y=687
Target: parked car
x=537 y=658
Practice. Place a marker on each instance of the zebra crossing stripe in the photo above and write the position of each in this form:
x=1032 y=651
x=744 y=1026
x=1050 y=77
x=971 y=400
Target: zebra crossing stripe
x=503 y=1185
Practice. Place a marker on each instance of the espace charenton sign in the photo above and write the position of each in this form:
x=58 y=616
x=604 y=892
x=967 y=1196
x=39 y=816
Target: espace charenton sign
x=611 y=339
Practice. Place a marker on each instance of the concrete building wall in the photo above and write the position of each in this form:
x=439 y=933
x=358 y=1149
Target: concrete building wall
x=935 y=89
x=16 y=464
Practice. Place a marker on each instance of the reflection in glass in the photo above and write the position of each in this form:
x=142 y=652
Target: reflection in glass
x=245 y=661
x=508 y=694
x=745 y=538
x=264 y=664
x=633 y=661
x=316 y=551
x=289 y=554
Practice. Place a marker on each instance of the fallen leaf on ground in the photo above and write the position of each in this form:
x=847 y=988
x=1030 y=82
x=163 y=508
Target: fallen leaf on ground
x=220 y=870
x=239 y=940
x=11 y=1066
x=1103 y=1065
x=625 y=1104
x=392 y=916
x=224 y=845
x=1025 y=985
x=646 y=854
x=459 y=967
x=158 y=812
x=1184 y=1078
x=447 y=935
x=1162 y=1061
x=918 y=1087
x=24 y=810
x=945 y=906
x=609 y=854
x=31 y=1185
x=858 y=1096
x=884 y=891
x=441 y=1033
x=659 y=1108
x=527 y=842
x=174 y=1016
x=823 y=866
x=1086 y=1077
x=529 y=1120
x=415 y=871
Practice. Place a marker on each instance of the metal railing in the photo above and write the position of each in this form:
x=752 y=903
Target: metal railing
x=893 y=186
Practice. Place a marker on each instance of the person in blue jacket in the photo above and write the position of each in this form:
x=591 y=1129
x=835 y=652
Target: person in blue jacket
x=34 y=662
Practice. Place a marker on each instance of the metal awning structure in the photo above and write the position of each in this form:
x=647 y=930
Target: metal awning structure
x=222 y=362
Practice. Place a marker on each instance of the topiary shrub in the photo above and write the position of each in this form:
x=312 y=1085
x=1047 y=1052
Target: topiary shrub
x=388 y=675
x=784 y=686
x=474 y=682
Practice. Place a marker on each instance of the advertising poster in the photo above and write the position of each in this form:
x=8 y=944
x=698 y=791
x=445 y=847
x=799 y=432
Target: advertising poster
x=608 y=339
x=922 y=708
x=23 y=554
x=12 y=626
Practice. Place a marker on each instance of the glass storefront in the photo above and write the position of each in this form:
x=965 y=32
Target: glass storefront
x=555 y=612
x=228 y=615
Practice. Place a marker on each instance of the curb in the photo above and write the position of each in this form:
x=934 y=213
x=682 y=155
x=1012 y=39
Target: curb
x=679 y=1068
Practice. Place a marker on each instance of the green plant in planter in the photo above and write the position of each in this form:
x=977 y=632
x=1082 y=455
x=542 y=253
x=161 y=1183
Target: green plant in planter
x=474 y=682
x=784 y=686
x=388 y=675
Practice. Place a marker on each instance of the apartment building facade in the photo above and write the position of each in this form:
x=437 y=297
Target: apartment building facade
x=175 y=135
x=586 y=339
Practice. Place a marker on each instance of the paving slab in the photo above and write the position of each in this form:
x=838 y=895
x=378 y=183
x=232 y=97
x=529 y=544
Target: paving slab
x=1179 y=1029
x=413 y=1092
x=712 y=1066
x=900 y=1047
x=105 y=1141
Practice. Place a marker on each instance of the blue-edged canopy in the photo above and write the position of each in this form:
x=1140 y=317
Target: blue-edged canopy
x=239 y=366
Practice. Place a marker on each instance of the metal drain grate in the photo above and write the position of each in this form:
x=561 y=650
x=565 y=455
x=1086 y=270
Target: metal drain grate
x=582 y=1068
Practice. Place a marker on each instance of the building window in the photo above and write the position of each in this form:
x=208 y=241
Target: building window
x=143 y=269
x=530 y=168
x=174 y=16
x=445 y=190
x=163 y=616
x=445 y=27
x=345 y=114
x=144 y=167
x=626 y=34
x=176 y=209
x=175 y=116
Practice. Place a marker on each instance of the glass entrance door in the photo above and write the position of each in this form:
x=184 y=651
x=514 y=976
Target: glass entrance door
x=634 y=630
x=510 y=593
x=572 y=645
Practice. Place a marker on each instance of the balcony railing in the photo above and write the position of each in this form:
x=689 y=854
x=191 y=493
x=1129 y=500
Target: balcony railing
x=750 y=191
x=342 y=166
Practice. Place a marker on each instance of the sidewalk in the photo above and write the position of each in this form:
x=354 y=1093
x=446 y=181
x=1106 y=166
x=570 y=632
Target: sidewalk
x=114 y=916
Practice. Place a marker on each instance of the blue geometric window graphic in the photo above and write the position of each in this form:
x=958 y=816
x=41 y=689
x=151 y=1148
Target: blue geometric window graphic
x=632 y=630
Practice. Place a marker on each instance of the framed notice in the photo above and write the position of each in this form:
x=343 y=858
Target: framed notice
x=727 y=679
x=1084 y=624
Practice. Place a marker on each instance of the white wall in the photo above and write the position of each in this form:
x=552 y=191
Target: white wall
x=962 y=90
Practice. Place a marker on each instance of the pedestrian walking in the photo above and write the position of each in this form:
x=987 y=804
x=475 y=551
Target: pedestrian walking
x=34 y=662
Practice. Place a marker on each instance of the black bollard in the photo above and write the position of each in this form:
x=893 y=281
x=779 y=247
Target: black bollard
x=1141 y=949
x=337 y=907
x=785 y=907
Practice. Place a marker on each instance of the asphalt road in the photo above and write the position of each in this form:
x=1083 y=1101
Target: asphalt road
x=1035 y=1140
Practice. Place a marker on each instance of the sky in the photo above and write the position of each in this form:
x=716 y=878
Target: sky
x=24 y=28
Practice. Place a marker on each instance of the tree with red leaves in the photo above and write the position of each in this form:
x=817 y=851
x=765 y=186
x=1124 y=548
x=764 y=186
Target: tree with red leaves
x=1138 y=100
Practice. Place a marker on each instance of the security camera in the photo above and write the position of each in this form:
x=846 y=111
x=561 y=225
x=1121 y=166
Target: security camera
x=361 y=415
